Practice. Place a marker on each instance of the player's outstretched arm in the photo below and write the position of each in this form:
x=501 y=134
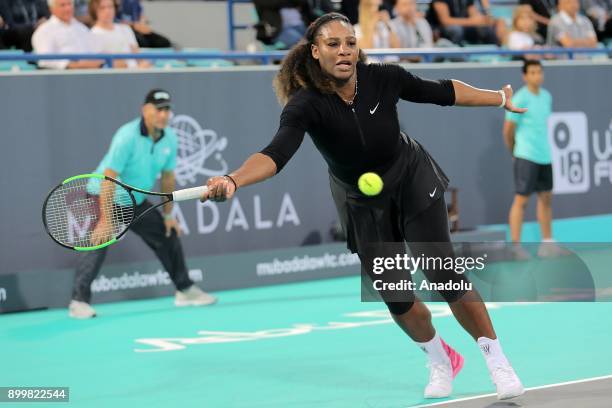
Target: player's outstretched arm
x=258 y=167
x=467 y=95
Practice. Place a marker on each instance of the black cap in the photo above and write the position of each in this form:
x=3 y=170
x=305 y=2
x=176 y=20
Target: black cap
x=159 y=98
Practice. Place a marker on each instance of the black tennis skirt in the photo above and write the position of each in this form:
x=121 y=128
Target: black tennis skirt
x=413 y=183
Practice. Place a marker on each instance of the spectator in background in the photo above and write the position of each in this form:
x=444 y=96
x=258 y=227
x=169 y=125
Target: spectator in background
x=113 y=38
x=320 y=7
x=62 y=33
x=130 y=13
x=570 y=29
x=18 y=20
x=350 y=8
x=411 y=28
x=81 y=12
x=523 y=35
x=282 y=23
x=374 y=29
x=485 y=6
x=460 y=21
x=543 y=9
x=600 y=14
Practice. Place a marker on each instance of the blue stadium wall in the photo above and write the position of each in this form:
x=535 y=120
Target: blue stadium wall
x=55 y=125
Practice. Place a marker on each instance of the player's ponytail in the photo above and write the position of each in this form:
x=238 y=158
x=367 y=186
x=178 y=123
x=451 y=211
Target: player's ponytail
x=300 y=70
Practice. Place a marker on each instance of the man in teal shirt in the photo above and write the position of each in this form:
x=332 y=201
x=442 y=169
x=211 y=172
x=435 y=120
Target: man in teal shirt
x=526 y=136
x=141 y=151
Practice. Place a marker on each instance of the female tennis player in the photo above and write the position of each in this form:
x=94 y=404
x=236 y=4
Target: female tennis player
x=349 y=110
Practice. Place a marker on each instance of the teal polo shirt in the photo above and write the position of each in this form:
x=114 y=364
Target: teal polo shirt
x=531 y=136
x=138 y=160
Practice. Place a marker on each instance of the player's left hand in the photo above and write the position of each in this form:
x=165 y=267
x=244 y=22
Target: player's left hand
x=509 y=106
x=172 y=224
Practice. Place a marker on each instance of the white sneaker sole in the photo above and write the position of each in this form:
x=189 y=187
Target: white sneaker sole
x=511 y=394
x=81 y=317
x=184 y=303
x=437 y=395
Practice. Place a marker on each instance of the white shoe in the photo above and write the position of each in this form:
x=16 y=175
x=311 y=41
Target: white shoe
x=440 y=381
x=550 y=249
x=441 y=375
x=80 y=310
x=507 y=382
x=193 y=296
x=519 y=253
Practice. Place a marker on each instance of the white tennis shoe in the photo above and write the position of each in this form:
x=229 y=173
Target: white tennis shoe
x=441 y=375
x=80 y=310
x=440 y=381
x=193 y=296
x=506 y=381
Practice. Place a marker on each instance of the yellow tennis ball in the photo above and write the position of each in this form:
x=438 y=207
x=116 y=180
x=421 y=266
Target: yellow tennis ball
x=370 y=184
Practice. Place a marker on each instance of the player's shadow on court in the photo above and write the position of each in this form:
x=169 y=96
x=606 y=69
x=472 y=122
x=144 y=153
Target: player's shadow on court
x=504 y=404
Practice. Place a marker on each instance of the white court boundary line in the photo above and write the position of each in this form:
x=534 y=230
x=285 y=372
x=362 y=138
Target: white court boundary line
x=605 y=377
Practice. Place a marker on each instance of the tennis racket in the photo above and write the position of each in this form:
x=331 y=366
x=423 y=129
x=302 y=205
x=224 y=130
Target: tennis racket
x=92 y=211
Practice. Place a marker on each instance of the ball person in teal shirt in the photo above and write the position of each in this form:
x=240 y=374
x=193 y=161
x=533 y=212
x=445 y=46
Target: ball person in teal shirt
x=526 y=136
x=141 y=151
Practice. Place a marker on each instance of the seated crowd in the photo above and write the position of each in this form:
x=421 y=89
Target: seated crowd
x=443 y=23
x=78 y=27
x=119 y=26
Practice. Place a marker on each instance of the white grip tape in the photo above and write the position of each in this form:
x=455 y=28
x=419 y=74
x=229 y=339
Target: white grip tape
x=189 y=193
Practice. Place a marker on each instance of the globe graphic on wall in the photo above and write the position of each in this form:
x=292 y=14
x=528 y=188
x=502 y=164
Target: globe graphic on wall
x=199 y=151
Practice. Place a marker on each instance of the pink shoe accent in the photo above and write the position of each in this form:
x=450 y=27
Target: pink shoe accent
x=456 y=359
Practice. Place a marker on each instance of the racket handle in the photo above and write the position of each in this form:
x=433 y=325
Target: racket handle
x=189 y=193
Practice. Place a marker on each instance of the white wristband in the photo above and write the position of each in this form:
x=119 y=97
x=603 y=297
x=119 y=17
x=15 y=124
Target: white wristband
x=503 y=95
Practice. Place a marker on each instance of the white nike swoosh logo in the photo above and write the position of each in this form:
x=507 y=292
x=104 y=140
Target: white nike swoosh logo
x=374 y=110
x=433 y=192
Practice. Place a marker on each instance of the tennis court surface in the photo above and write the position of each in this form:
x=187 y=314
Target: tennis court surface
x=297 y=345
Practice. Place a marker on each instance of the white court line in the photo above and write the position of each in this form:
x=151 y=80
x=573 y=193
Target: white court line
x=605 y=377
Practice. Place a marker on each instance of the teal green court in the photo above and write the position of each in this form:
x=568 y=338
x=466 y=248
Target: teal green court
x=311 y=344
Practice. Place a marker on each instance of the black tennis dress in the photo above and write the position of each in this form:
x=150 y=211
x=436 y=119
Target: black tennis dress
x=365 y=137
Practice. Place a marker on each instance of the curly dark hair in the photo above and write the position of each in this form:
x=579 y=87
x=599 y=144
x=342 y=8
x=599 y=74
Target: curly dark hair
x=300 y=70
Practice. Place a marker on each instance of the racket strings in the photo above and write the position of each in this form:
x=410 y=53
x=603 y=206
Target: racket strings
x=73 y=213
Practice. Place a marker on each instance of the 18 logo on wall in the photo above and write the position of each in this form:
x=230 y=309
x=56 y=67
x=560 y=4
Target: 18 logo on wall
x=571 y=159
x=570 y=152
